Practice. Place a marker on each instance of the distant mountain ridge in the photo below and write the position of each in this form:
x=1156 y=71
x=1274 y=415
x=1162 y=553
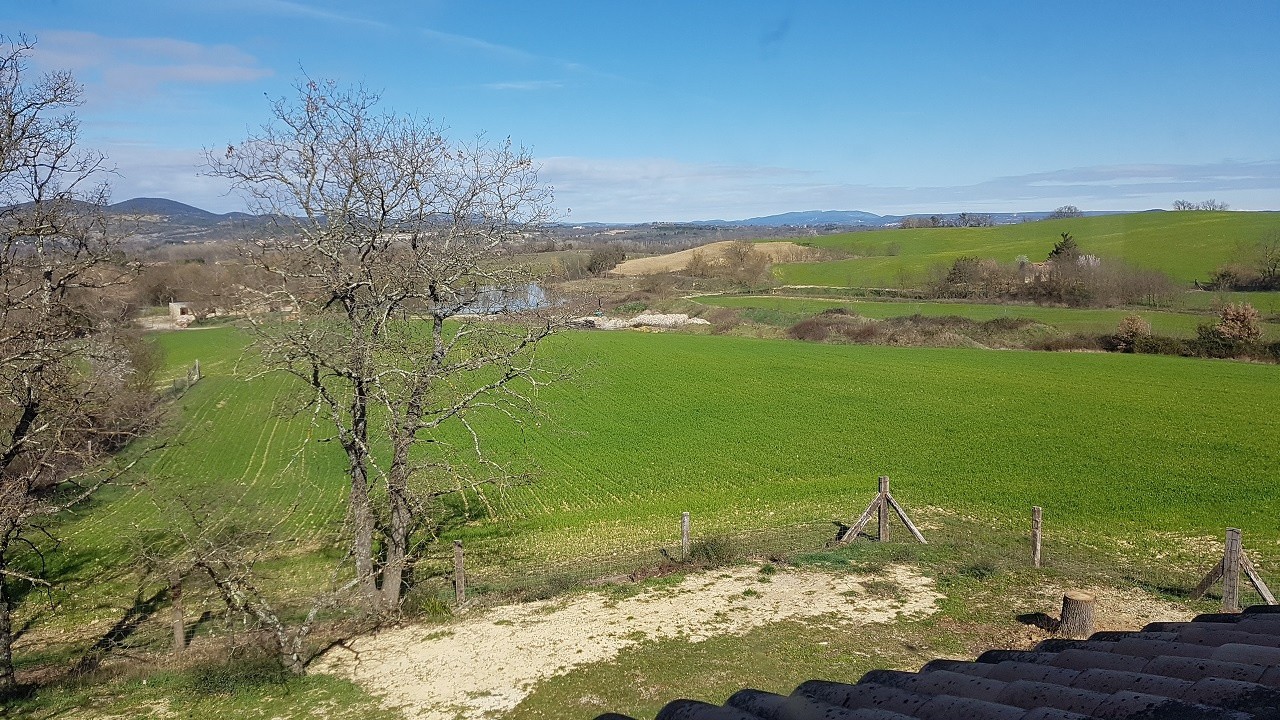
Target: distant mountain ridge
x=159 y=221
x=859 y=218
x=156 y=220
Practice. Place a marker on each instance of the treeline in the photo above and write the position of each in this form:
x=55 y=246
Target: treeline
x=964 y=219
x=1236 y=333
x=1068 y=276
x=1253 y=268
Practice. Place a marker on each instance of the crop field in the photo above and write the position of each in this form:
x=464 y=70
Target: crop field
x=1187 y=246
x=758 y=433
x=1068 y=320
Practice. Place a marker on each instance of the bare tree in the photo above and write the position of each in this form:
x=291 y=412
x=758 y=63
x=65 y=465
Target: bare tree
x=1064 y=212
x=71 y=389
x=391 y=253
x=1210 y=205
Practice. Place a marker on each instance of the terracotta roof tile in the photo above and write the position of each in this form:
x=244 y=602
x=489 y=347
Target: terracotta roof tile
x=1216 y=667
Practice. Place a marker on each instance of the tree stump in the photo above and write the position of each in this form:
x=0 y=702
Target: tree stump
x=1077 y=614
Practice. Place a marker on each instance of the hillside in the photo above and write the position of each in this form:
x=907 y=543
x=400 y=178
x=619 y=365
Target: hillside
x=1186 y=245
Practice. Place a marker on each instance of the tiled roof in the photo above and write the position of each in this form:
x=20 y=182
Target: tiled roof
x=1219 y=666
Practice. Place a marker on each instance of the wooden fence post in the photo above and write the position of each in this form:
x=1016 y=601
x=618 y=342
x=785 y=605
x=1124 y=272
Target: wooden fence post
x=684 y=536
x=1037 y=518
x=459 y=574
x=1231 y=572
x=198 y=376
x=884 y=509
x=179 y=622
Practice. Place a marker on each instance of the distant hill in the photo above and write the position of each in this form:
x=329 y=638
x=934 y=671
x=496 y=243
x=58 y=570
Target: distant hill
x=164 y=207
x=859 y=218
x=151 y=221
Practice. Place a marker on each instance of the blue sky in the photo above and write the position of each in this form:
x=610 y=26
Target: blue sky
x=689 y=110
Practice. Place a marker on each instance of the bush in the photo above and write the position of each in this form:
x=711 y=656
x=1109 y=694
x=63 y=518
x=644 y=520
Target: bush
x=1159 y=345
x=1079 y=341
x=239 y=675
x=632 y=307
x=1131 y=328
x=713 y=551
x=1211 y=343
x=861 y=332
x=605 y=259
x=1235 y=334
x=722 y=319
x=1239 y=322
x=811 y=329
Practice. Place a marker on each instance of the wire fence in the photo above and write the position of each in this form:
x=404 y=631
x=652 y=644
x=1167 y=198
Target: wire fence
x=1169 y=566
x=495 y=574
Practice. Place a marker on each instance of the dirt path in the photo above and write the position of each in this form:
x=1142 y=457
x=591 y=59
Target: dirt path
x=484 y=666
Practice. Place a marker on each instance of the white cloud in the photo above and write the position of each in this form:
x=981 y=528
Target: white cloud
x=123 y=69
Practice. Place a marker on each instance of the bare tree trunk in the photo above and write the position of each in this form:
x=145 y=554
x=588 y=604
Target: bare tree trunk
x=362 y=528
x=8 y=680
x=357 y=446
x=400 y=525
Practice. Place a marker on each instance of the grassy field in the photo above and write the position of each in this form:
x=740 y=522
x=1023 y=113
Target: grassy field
x=762 y=432
x=1129 y=456
x=1187 y=246
x=788 y=310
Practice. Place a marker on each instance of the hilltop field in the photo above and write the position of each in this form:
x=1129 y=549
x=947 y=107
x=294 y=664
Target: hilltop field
x=1186 y=245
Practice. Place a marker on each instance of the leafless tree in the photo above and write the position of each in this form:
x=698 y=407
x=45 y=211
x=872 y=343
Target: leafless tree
x=71 y=391
x=1064 y=212
x=390 y=252
x=1210 y=205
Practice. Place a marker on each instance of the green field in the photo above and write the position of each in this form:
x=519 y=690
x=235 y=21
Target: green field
x=1134 y=458
x=752 y=433
x=1068 y=320
x=1187 y=246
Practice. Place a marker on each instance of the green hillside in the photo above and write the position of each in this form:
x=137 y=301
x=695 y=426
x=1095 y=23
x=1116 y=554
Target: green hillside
x=750 y=433
x=1186 y=245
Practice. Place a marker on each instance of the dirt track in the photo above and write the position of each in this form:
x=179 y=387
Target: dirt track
x=484 y=666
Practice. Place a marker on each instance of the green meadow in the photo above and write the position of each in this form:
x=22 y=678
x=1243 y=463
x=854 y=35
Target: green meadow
x=756 y=433
x=786 y=310
x=1186 y=245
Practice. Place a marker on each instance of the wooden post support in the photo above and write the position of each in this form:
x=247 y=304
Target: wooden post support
x=684 y=536
x=1077 y=614
x=197 y=368
x=1231 y=572
x=1037 y=519
x=881 y=505
x=459 y=574
x=884 y=509
x=179 y=622
x=1228 y=570
x=1256 y=579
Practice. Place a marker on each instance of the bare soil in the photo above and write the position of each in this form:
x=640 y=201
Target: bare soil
x=677 y=261
x=484 y=666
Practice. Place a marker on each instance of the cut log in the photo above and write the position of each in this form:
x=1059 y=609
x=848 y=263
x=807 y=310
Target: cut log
x=1077 y=614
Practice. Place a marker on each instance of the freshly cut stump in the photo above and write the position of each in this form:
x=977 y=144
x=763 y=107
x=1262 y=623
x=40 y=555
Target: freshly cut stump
x=1077 y=614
